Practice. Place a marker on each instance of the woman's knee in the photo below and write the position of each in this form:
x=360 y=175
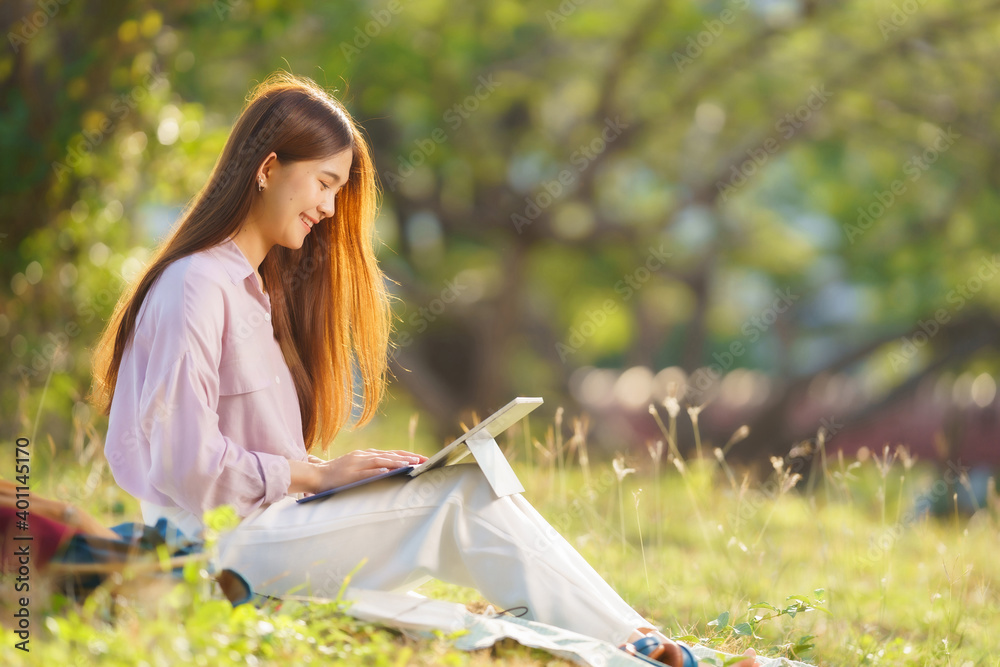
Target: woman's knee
x=464 y=480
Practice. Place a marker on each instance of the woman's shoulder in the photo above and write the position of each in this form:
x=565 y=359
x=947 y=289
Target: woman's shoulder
x=199 y=270
x=191 y=288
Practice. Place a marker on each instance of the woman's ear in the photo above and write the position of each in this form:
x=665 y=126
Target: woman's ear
x=265 y=167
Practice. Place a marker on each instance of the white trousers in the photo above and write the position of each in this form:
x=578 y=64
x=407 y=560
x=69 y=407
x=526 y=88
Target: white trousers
x=445 y=524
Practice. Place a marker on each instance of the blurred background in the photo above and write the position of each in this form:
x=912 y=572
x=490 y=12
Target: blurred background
x=783 y=212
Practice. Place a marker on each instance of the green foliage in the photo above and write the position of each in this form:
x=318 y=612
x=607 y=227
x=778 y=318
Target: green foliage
x=750 y=146
x=723 y=631
x=726 y=566
x=113 y=115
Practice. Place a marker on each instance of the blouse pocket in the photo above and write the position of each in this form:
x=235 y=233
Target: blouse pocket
x=242 y=375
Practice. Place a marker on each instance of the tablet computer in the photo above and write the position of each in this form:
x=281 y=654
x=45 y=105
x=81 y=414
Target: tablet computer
x=494 y=425
x=454 y=452
x=345 y=487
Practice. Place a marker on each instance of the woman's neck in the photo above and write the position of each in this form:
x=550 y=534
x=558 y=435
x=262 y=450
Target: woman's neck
x=254 y=248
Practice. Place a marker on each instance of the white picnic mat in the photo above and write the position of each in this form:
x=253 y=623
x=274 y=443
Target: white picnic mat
x=419 y=616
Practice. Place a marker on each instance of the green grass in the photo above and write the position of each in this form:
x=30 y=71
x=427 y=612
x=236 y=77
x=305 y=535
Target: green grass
x=838 y=576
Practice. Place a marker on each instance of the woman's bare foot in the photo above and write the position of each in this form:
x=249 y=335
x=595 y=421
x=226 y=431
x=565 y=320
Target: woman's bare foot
x=673 y=654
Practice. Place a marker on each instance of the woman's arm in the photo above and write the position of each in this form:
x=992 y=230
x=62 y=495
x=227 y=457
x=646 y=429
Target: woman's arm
x=165 y=432
x=315 y=474
x=304 y=477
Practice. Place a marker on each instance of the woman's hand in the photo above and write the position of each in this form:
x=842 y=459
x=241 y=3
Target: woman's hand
x=359 y=464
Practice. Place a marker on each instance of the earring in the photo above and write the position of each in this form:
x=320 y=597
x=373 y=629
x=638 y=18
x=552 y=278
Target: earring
x=260 y=185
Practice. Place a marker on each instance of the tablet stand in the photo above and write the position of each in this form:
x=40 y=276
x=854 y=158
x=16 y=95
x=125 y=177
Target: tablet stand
x=494 y=464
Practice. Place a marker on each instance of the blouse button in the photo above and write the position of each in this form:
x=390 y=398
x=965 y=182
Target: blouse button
x=277 y=380
x=267 y=317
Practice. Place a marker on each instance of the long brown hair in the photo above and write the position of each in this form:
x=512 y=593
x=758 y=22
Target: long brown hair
x=328 y=299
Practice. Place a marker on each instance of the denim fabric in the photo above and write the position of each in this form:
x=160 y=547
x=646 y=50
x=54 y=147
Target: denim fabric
x=138 y=541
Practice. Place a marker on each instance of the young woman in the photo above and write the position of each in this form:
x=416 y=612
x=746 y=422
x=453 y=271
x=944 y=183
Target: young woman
x=233 y=356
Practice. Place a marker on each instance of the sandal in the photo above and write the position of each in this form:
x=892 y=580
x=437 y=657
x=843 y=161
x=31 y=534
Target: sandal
x=651 y=650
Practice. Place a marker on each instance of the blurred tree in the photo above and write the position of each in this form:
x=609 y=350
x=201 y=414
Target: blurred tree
x=565 y=184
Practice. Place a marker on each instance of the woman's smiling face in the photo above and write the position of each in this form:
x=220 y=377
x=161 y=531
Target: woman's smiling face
x=299 y=195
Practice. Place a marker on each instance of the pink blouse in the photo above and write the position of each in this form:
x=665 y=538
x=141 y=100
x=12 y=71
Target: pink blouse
x=205 y=410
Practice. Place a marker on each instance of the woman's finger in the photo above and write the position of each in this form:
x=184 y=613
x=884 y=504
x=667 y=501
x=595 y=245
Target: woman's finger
x=396 y=452
x=398 y=455
x=374 y=459
x=409 y=455
x=384 y=462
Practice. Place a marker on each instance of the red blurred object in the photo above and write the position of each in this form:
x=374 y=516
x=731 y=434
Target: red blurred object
x=37 y=538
